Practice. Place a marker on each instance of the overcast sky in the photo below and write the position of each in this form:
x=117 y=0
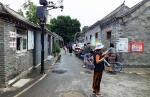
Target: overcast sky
x=86 y=11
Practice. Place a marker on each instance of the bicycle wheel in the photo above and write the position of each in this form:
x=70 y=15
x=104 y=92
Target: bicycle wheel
x=117 y=66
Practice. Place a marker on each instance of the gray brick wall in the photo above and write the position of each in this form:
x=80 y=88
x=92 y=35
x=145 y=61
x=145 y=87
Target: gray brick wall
x=92 y=32
x=12 y=63
x=135 y=27
x=138 y=30
x=2 y=63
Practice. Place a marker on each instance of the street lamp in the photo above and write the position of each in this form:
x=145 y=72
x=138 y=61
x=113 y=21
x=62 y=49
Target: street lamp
x=41 y=13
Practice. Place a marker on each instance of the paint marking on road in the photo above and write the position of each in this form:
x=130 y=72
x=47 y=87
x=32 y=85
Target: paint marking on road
x=30 y=86
x=21 y=83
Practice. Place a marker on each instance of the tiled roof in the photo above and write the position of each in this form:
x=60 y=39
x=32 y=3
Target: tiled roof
x=114 y=14
x=134 y=8
x=121 y=11
x=15 y=15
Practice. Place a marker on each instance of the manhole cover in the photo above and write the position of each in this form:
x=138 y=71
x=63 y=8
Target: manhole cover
x=88 y=72
x=59 y=71
x=73 y=94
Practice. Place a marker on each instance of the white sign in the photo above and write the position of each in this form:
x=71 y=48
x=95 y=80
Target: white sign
x=12 y=44
x=122 y=45
x=30 y=40
x=13 y=34
x=93 y=41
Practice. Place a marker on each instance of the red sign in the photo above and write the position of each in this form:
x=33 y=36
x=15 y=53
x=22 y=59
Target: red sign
x=136 y=47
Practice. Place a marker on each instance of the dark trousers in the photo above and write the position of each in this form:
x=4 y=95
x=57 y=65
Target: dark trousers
x=96 y=81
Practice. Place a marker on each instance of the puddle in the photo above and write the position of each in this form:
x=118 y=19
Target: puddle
x=88 y=72
x=59 y=71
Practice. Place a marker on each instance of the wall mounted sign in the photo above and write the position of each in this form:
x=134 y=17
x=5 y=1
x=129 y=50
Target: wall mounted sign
x=12 y=41
x=93 y=41
x=12 y=44
x=136 y=47
x=30 y=40
x=122 y=45
x=12 y=34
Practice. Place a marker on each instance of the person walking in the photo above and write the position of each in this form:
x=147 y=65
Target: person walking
x=99 y=67
x=65 y=49
x=70 y=49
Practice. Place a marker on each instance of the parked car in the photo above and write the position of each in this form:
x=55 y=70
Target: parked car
x=73 y=46
x=77 y=51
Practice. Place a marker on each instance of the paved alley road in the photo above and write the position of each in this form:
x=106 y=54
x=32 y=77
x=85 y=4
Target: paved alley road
x=67 y=78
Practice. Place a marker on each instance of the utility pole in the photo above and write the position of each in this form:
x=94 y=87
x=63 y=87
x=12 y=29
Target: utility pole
x=41 y=14
x=42 y=24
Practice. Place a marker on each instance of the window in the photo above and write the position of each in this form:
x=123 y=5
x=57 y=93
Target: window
x=96 y=35
x=21 y=41
x=90 y=37
x=24 y=44
x=109 y=34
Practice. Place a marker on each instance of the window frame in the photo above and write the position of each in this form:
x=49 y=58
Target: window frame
x=90 y=37
x=22 y=37
x=96 y=35
x=108 y=35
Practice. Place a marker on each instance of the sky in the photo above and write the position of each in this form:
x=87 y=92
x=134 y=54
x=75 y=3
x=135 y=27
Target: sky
x=86 y=11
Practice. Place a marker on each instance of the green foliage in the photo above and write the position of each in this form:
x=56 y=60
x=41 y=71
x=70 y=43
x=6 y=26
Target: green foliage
x=85 y=28
x=65 y=27
x=20 y=12
x=30 y=11
x=56 y=48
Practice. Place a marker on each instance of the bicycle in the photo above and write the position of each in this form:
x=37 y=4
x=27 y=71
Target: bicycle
x=117 y=67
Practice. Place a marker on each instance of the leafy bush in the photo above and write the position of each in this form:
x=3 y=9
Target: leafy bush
x=56 y=48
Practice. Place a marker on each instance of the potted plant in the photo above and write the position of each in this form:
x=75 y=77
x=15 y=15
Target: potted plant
x=56 y=49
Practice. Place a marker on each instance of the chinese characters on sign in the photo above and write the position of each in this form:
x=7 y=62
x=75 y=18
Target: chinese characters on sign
x=137 y=47
x=12 y=39
x=122 y=45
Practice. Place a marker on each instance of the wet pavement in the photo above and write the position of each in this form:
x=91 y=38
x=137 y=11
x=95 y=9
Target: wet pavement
x=67 y=78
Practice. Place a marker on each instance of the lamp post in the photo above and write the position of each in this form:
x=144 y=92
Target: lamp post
x=41 y=13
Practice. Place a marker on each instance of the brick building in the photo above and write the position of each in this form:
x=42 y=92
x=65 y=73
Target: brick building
x=132 y=24
x=20 y=45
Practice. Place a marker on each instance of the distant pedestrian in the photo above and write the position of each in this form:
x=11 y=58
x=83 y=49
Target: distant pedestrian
x=86 y=51
x=99 y=67
x=112 y=56
x=65 y=49
x=70 y=49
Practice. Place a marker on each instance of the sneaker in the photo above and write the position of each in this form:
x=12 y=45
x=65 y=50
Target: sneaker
x=84 y=66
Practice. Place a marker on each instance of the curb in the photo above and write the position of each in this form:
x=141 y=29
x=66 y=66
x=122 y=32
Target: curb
x=43 y=76
x=28 y=72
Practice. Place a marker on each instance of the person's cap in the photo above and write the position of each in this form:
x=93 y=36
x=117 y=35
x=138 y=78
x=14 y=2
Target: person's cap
x=99 y=46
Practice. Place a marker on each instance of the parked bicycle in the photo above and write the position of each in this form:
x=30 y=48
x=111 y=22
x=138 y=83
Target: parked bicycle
x=117 y=66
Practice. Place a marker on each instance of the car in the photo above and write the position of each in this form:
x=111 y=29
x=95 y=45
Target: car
x=73 y=46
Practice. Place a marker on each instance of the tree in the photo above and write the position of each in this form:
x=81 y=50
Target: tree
x=20 y=12
x=65 y=27
x=85 y=28
x=30 y=11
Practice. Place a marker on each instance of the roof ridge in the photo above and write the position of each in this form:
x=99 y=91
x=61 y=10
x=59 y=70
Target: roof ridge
x=134 y=8
x=8 y=9
x=113 y=11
